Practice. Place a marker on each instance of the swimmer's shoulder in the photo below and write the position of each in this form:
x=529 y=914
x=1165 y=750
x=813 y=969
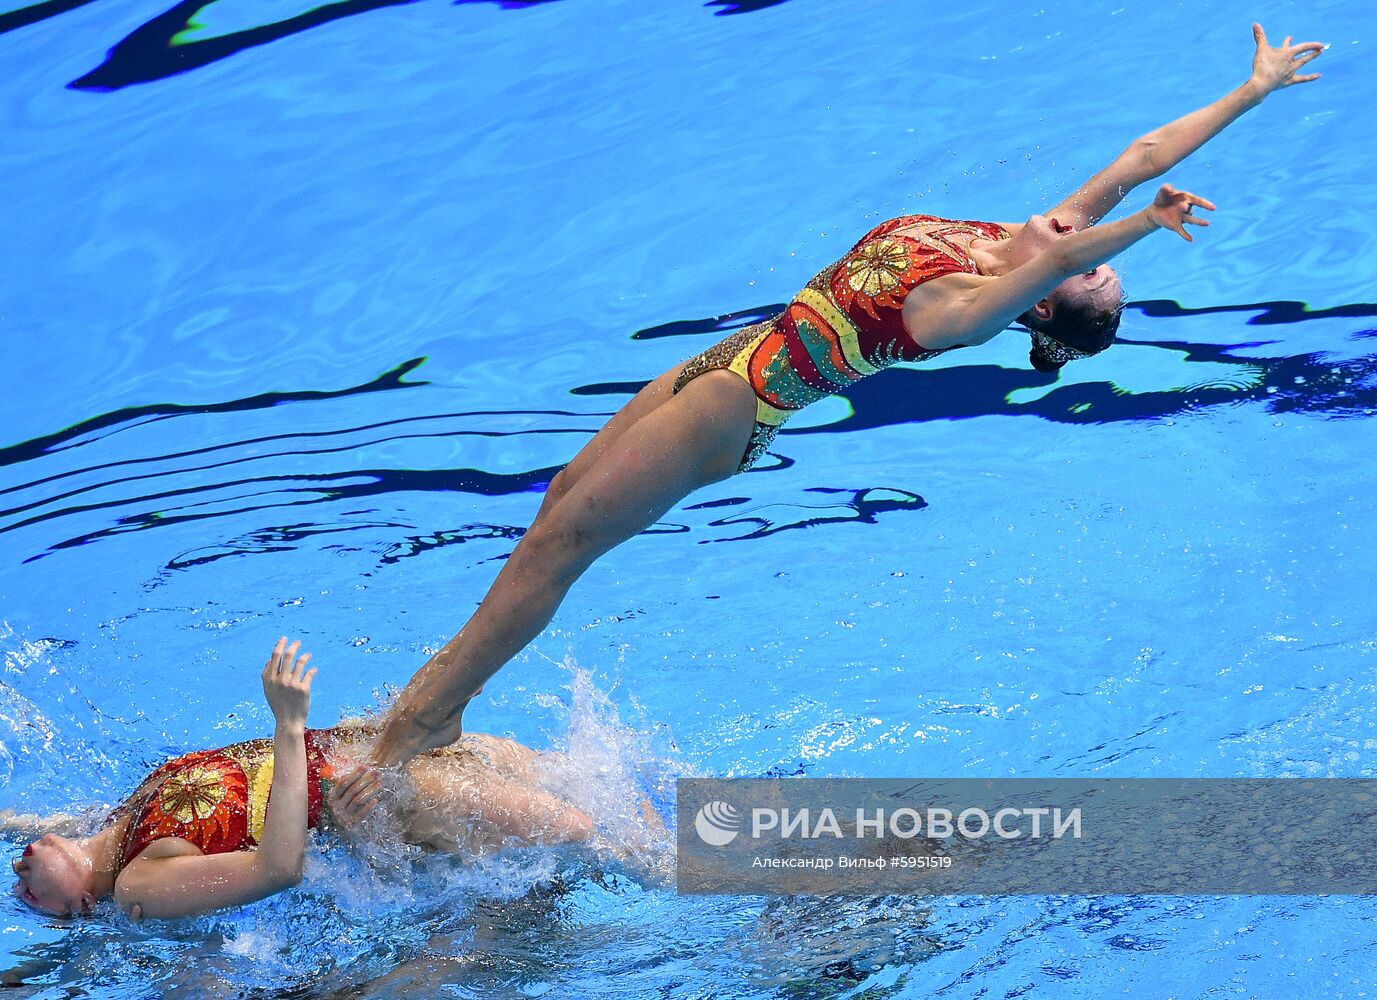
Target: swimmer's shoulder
x=928 y=307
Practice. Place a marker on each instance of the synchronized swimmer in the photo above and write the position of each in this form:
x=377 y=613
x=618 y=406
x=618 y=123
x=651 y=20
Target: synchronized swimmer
x=224 y=827
x=910 y=289
x=201 y=832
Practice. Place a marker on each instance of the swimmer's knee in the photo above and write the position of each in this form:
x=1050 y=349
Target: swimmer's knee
x=558 y=544
x=559 y=486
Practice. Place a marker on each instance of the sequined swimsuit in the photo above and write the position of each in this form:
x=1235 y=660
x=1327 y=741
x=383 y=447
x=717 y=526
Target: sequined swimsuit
x=847 y=322
x=216 y=799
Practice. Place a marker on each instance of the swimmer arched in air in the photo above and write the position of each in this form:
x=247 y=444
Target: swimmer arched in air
x=200 y=833
x=912 y=288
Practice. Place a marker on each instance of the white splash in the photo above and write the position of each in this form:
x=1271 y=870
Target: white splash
x=610 y=770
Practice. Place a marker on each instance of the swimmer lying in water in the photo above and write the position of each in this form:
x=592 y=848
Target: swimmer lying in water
x=184 y=842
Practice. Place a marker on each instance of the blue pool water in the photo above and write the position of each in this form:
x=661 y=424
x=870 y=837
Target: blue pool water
x=304 y=306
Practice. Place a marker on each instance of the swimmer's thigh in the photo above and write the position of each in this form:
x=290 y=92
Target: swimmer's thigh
x=651 y=395
x=462 y=807
x=694 y=438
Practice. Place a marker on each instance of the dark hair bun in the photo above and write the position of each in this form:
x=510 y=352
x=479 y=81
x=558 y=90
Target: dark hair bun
x=1042 y=362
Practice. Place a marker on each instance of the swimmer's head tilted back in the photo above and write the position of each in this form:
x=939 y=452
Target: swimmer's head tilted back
x=1072 y=334
x=1077 y=319
x=55 y=877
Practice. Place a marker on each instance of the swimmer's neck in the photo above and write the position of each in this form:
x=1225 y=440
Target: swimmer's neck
x=996 y=258
x=101 y=849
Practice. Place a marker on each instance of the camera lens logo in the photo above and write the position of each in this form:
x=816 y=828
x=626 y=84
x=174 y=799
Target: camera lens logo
x=717 y=824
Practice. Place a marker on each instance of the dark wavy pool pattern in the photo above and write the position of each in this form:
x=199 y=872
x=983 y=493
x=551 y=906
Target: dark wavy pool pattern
x=151 y=491
x=305 y=307
x=166 y=44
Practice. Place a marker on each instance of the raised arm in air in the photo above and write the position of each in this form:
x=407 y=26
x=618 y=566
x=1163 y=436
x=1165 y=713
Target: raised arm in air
x=1153 y=154
x=171 y=878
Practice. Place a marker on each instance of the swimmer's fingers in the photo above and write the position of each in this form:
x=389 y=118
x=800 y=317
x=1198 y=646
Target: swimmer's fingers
x=355 y=796
x=1180 y=227
x=1171 y=209
x=284 y=667
x=274 y=659
x=1275 y=68
x=1302 y=54
x=282 y=660
x=352 y=784
x=359 y=809
x=300 y=676
x=1194 y=221
x=1170 y=197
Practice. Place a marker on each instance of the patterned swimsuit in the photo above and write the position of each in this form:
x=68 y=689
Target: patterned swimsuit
x=216 y=799
x=847 y=322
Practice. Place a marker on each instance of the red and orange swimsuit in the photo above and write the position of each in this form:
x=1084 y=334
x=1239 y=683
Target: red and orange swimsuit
x=847 y=322
x=215 y=799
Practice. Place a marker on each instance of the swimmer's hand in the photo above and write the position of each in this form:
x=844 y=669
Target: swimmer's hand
x=287 y=685
x=353 y=797
x=1275 y=68
x=1171 y=209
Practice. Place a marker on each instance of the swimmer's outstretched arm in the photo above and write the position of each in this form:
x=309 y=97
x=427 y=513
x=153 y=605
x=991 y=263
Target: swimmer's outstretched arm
x=1153 y=154
x=171 y=879
x=980 y=307
x=31 y=826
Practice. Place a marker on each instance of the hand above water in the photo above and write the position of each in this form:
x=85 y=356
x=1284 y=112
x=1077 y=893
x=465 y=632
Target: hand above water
x=1171 y=209
x=287 y=684
x=1275 y=68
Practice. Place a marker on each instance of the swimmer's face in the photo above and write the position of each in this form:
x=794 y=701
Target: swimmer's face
x=1099 y=288
x=53 y=877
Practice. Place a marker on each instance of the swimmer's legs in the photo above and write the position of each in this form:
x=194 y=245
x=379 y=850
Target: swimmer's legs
x=645 y=402
x=462 y=807
x=686 y=441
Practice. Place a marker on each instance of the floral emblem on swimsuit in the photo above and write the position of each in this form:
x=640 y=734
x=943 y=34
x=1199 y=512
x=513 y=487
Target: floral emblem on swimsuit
x=192 y=795
x=877 y=267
